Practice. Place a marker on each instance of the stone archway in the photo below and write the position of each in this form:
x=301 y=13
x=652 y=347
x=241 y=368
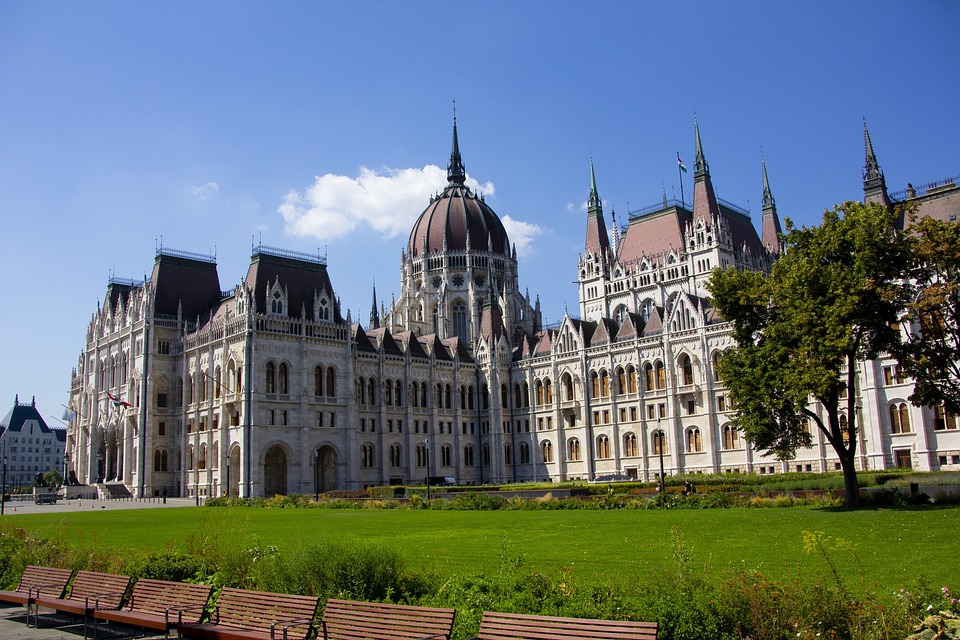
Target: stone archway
x=275 y=472
x=325 y=468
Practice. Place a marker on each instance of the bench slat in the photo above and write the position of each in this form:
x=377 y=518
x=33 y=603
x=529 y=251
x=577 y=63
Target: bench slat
x=50 y=581
x=354 y=620
x=510 y=626
x=250 y=614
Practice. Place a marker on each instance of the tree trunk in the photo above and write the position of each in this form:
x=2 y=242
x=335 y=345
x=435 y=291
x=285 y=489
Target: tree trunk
x=851 y=485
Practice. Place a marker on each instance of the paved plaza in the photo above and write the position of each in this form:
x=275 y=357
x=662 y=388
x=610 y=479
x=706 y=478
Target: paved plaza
x=63 y=506
x=13 y=624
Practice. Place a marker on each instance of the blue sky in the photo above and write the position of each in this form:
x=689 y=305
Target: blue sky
x=324 y=126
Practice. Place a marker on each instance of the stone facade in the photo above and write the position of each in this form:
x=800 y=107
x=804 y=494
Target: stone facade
x=185 y=389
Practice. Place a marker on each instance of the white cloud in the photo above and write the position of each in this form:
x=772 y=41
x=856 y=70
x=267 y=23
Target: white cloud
x=204 y=191
x=387 y=201
x=522 y=234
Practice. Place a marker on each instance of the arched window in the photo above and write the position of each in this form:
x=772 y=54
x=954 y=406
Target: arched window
x=899 y=418
x=547 y=391
x=526 y=394
x=463 y=398
x=388 y=392
x=318 y=381
x=160 y=460
x=361 y=390
x=438 y=400
x=731 y=437
x=716 y=366
x=423 y=394
x=190 y=386
x=630 y=449
x=398 y=393
x=446 y=396
x=271 y=379
x=661 y=376
x=573 y=450
x=686 y=369
x=504 y=396
x=460 y=326
x=518 y=398
x=621 y=380
x=372 y=391
x=658 y=442
x=595 y=384
x=631 y=379
x=414 y=393
x=421 y=455
x=524 y=453
x=649 y=377
x=283 y=385
x=567 y=382
x=603 y=447
x=468 y=456
x=445 y=455
x=331 y=382
x=694 y=442
x=395 y=455
x=507 y=454
x=366 y=455
x=202 y=459
x=546 y=450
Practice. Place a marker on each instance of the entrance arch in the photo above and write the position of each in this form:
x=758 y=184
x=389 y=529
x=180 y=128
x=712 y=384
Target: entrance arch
x=275 y=472
x=325 y=469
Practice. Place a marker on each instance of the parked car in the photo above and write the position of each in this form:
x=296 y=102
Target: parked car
x=45 y=497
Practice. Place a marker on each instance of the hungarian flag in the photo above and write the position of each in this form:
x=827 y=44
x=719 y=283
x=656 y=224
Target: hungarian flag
x=680 y=162
x=117 y=402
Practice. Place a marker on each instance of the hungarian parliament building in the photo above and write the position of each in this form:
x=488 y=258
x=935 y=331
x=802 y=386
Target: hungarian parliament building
x=184 y=389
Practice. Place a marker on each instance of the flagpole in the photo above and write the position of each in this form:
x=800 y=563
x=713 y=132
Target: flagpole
x=680 y=174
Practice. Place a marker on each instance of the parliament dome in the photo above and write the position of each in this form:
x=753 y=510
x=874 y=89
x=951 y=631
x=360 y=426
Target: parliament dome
x=457 y=217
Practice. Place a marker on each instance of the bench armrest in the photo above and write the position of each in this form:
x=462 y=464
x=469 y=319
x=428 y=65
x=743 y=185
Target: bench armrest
x=214 y=619
x=286 y=625
x=34 y=591
x=96 y=599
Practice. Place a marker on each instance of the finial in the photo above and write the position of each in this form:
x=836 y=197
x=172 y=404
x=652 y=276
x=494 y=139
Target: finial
x=700 y=165
x=455 y=170
x=594 y=201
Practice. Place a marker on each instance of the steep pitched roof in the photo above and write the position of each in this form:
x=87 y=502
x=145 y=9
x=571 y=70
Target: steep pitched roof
x=303 y=277
x=654 y=323
x=184 y=281
x=654 y=234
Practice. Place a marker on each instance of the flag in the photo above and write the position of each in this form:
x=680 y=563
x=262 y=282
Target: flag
x=117 y=402
x=680 y=162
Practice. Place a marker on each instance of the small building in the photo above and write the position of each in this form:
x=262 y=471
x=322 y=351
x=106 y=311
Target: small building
x=28 y=446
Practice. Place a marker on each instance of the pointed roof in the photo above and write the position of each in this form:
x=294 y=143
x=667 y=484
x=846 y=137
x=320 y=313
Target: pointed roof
x=654 y=323
x=374 y=313
x=597 y=242
x=874 y=184
x=772 y=231
x=705 y=206
x=456 y=172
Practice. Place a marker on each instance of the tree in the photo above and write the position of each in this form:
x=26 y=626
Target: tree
x=831 y=300
x=930 y=352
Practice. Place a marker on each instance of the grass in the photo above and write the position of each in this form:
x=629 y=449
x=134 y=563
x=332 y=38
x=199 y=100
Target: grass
x=889 y=546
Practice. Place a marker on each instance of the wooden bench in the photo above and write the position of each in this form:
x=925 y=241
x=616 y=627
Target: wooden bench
x=36 y=580
x=256 y=615
x=157 y=604
x=90 y=590
x=351 y=620
x=515 y=626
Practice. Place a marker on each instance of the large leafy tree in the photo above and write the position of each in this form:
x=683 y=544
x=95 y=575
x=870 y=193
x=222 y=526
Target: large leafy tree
x=930 y=354
x=830 y=300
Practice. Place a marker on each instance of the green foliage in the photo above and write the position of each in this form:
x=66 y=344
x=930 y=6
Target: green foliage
x=831 y=299
x=931 y=356
x=169 y=564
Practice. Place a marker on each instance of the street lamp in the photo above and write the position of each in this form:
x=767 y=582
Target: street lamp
x=660 y=447
x=426 y=450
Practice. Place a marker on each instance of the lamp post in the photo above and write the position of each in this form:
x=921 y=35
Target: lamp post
x=660 y=448
x=228 y=476
x=3 y=490
x=426 y=450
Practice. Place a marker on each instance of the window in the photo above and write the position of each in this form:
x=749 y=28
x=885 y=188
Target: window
x=603 y=447
x=160 y=460
x=161 y=400
x=271 y=373
x=468 y=456
x=573 y=450
x=395 y=455
x=524 y=453
x=331 y=382
x=694 y=442
x=943 y=419
x=366 y=456
x=661 y=376
x=507 y=454
x=546 y=449
x=731 y=438
x=445 y=456
x=162 y=428
x=604 y=383
x=460 y=327
x=686 y=369
x=899 y=418
x=659 y=441
x=318 y=381
x=630 y=448
x=282 y=379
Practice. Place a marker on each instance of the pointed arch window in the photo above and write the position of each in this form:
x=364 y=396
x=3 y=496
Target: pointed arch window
x=546 y=450
x=603 y=447
x=460 y=325
x=271 y=373
x=283 y=379
x=630 y=449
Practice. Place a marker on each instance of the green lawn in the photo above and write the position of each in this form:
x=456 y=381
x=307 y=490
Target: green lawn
x=894 y=546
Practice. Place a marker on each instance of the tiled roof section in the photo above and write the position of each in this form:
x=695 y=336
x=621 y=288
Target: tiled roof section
x=453 y=217
x=597 y=241
x=742 y=230
x=302 y=278
x=491 y=322
x=182 y=280
x=118 y=291
x=363 y=342
x=456 y=346
x=705 y=205
x=21 y=413
x=544 y=343
x=439 y=349
x=629 y=329
x=654 y=234
x=654 y=323
x=412 y=344
x=942 y=203
x=606 y=329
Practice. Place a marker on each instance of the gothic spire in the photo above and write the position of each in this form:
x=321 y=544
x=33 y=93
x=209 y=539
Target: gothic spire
x=374 y=313
x=598 y=242
x=772 y=232
x=700 y=166
x=456 y=172
x=874 y=184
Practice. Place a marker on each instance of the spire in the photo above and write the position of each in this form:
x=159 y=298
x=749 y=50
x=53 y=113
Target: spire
x=374 y=313
x=456 y=172
x=597 y=239
x=700 y=167
x=772 y=232
x=874 y=184
x=705 y=207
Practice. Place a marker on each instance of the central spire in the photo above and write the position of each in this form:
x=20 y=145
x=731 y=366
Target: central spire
x=594 y=202
x=456 y=173
x=700 y=167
